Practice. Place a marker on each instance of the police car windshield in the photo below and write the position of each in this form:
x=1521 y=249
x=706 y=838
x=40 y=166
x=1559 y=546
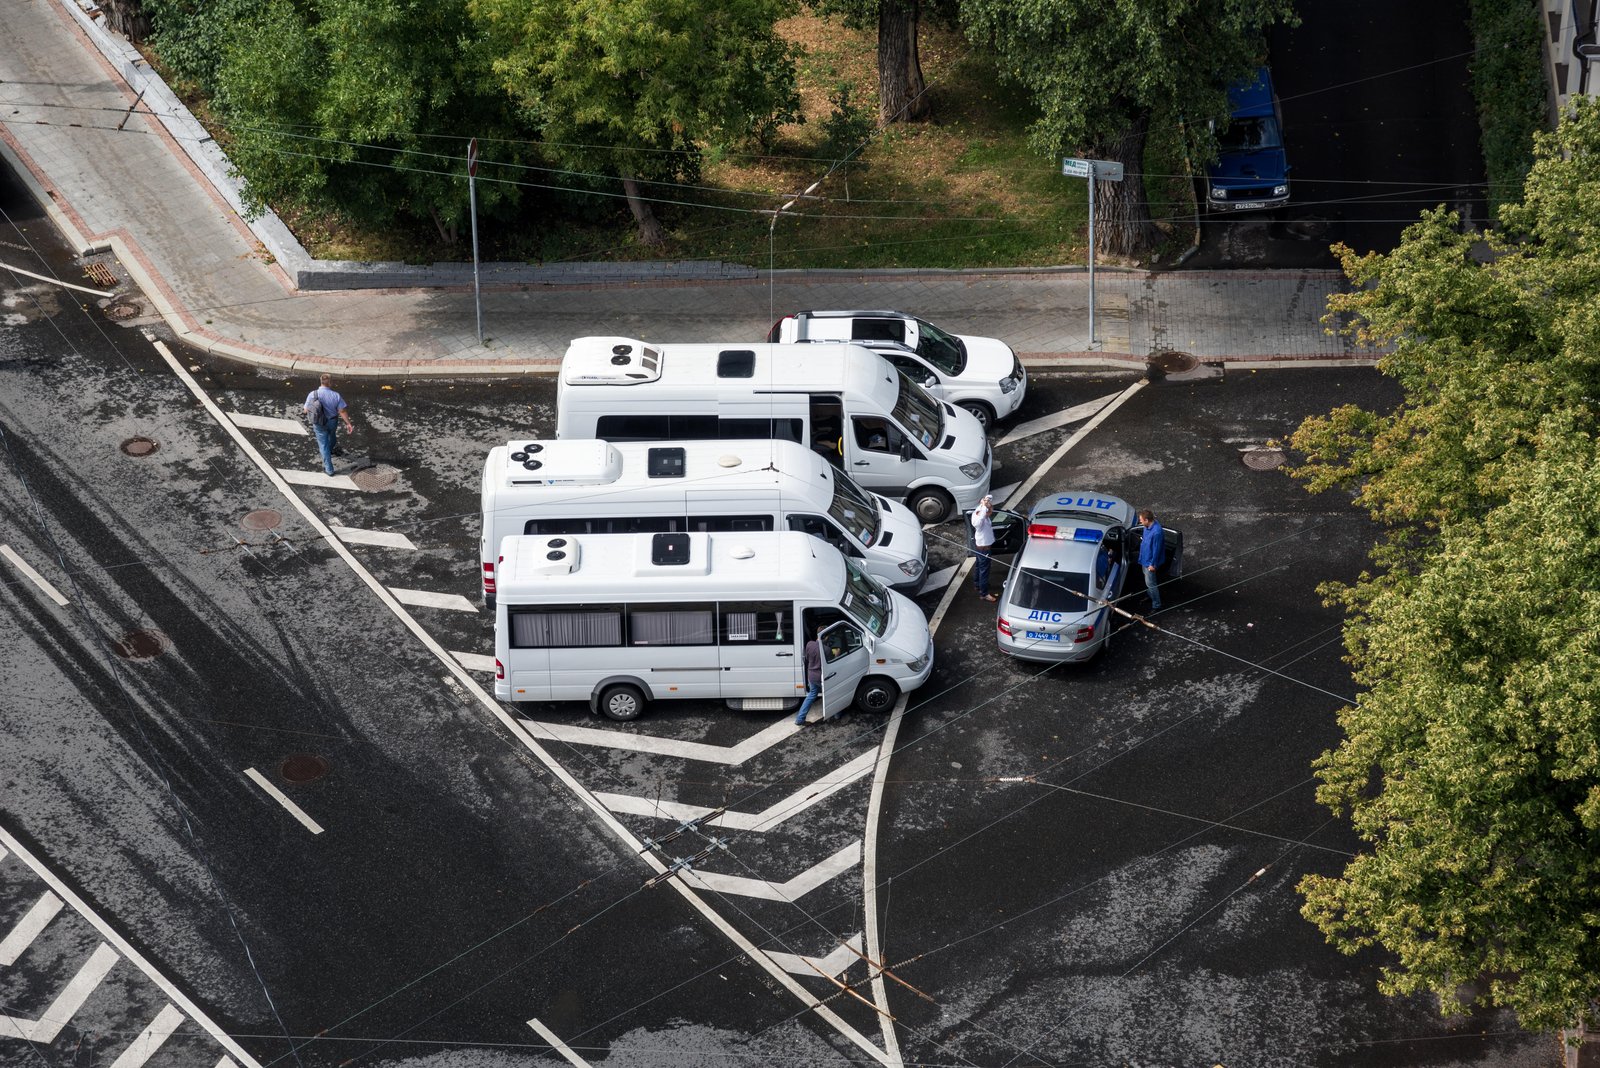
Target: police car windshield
x=1250 y=135
x=855 y=511
x=1050 y=591
x=945 y=351
x=918 y=413
x=865 y=599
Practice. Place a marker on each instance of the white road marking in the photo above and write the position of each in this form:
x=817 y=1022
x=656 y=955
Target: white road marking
x=45 y=1029
x=644 y=743
x=793 y=890
x=27 y=929
x=1003 y=493
x=474 y=661
x=556 y=1043
x=523 y=732
x=144 y=1047
x=939 y=579
x=226 y=1062
x=57 y=281
x=38 y=580
x=1055 y=419
x=833 y=964
x=386 y=538
x=764 y=820
x=891 y=736
x=267 y=422
x=318 y=478
x=277 y=795
x=428 y=599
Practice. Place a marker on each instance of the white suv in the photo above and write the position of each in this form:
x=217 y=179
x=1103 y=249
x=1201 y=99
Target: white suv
x=981 y=374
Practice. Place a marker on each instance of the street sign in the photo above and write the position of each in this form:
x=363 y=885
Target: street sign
x=1076 y=168
x=1107 y=170
x=472 y=158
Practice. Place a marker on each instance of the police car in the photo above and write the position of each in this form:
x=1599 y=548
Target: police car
x=1075 y=553
x=980 y=374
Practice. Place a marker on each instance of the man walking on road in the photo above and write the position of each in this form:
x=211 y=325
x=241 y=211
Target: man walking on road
x=325 y=408
x=1152 y=554
x=983 y=542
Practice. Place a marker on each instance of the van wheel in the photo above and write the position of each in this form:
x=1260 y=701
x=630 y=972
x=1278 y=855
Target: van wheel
x=930 y=505
x=621 y=702
x=981 y=412
x=876 y=694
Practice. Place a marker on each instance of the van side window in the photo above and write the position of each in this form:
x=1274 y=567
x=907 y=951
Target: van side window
x=874 y=434
x=691 y=427
x=757 y=622
x=631 y=427
x=878 y=330
x=566 y=628
x=787 y=429
x=671 y=624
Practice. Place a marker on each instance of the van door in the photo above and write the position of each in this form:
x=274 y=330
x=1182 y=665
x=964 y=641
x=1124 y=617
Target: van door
x=761 y=647
x=873 y=455
x=845 y=659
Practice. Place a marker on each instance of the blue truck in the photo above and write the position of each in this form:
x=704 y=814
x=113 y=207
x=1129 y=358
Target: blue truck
x=1251 y=171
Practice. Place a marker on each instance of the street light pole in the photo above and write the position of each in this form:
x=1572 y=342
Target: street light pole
x=772 y=229
x=472 y=200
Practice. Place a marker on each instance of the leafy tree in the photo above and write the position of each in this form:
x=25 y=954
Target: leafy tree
x=637 y=88
x=365 y=107
x=844 y=134
x=1471 y=761
x=1097 y=69
x=902 y=91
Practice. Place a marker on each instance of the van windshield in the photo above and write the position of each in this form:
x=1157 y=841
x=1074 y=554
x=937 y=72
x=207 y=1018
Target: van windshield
x=865 y=599
x=945 y=351
x=855 y=511
x=1250 y=135
x=918 y=413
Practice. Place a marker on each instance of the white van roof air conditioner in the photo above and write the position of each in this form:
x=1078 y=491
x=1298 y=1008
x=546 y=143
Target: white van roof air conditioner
x=556 y=554
x=577 y=462
x=610 y=360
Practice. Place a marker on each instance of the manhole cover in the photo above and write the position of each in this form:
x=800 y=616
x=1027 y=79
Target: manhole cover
x=304 y=767
x=1171 y=361
x=123 y=309
x=143 y=644
x=1265 y=459
x=139 y=446
x=377 y=477
x=261 y=519
x=100 y=274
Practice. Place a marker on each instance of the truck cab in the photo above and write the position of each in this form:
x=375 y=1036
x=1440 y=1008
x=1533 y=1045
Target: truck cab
x=1251 y=171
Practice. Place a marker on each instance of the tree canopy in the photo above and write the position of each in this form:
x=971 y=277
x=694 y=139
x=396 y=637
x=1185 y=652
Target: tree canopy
x=1097 y=69
x=1471 y=761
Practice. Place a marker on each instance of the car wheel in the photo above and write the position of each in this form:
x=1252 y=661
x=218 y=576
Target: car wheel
x=621 y=702
x=930 y=505
x=876 y=694
x=981 y=412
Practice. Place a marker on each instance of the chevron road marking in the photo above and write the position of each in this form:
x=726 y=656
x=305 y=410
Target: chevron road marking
x=833 y=964
x=644 y=743
x=45 y=1029
x=764 y=820
x=1056 y=419
x=27 y=929
x=144 y=1047
x=386 y=538
x=793 y=890
x=428 y=599
x=474 y=661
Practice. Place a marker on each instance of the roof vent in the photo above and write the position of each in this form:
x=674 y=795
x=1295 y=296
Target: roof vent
x=666 y=462
x=669 y=549
x=736 y=363
x=728 y=459
x=743 y=552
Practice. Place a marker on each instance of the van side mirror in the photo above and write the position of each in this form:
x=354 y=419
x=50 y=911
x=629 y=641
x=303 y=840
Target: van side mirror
x=905 y=449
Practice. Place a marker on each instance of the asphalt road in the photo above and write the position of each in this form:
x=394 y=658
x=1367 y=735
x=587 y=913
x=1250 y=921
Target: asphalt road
x=1084 y=866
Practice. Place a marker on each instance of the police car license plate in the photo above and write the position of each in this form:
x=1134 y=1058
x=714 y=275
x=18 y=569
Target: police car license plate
x=1041 y=636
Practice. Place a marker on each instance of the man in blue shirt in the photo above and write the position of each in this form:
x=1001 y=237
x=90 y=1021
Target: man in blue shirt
x=324 y=407
x=1152 y=554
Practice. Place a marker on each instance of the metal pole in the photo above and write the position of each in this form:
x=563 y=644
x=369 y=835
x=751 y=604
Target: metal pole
x=472 y=200
x=1091 y=259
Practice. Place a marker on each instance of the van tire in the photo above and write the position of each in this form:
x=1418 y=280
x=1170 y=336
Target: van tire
x=930 y=505
x=621 y=701
x=876 y=694
x=981 y=412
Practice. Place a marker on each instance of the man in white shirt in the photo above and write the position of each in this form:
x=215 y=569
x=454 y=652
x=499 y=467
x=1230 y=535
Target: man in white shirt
x=983 y=542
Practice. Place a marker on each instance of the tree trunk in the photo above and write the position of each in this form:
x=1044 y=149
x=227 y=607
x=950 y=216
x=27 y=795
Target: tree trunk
x=127 y=17
x=650 y=231
x=902 y=94
x=1123 y=228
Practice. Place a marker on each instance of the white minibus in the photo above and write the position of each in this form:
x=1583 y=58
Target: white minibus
x=587 y=486
x=619 y=620
x=847 y=403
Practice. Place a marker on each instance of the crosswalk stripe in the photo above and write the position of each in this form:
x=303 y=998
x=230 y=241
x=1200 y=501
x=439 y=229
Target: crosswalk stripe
x=474 y=661
x=27 y=929
x=266 y=422
x=144 y=1047
x=389 y=539
x=45 y=1029
x=317 y=478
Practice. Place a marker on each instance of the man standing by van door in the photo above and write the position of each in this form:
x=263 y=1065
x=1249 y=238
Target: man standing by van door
x=983 y=543
x=325 y=408
x=1152 y=554
x=813 y=661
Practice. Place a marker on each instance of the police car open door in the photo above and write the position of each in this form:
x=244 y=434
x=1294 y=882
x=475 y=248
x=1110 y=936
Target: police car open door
x=844 y=664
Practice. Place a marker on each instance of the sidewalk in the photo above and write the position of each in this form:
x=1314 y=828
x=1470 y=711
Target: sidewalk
x=135 y=192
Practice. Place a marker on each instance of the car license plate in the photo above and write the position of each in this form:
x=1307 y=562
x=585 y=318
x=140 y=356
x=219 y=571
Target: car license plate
x=1041 y=636
x=1249 y=205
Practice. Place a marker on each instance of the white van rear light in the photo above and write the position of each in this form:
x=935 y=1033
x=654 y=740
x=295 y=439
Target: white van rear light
x=488 y=577
x=499 y=669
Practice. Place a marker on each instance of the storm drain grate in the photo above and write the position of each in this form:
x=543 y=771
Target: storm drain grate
x=120 y=310
x=1266 y=458
x=1172 y=361
x=100 y=274
x=139 y=446
x=144 y=644
x=261 y=519
x=304 y=767
x=376 y=477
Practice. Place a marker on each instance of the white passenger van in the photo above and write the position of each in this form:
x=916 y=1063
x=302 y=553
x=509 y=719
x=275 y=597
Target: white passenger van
x=619 y=620
x=846 y=403
x=586 y=486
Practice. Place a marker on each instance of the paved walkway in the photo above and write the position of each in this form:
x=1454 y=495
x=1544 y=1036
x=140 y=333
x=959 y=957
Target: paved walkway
x=114 y=178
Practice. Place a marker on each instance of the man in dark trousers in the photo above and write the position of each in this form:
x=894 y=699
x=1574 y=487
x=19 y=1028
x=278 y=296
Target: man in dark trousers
x=1152 y=554
x=813 y=659
x=983 y=544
